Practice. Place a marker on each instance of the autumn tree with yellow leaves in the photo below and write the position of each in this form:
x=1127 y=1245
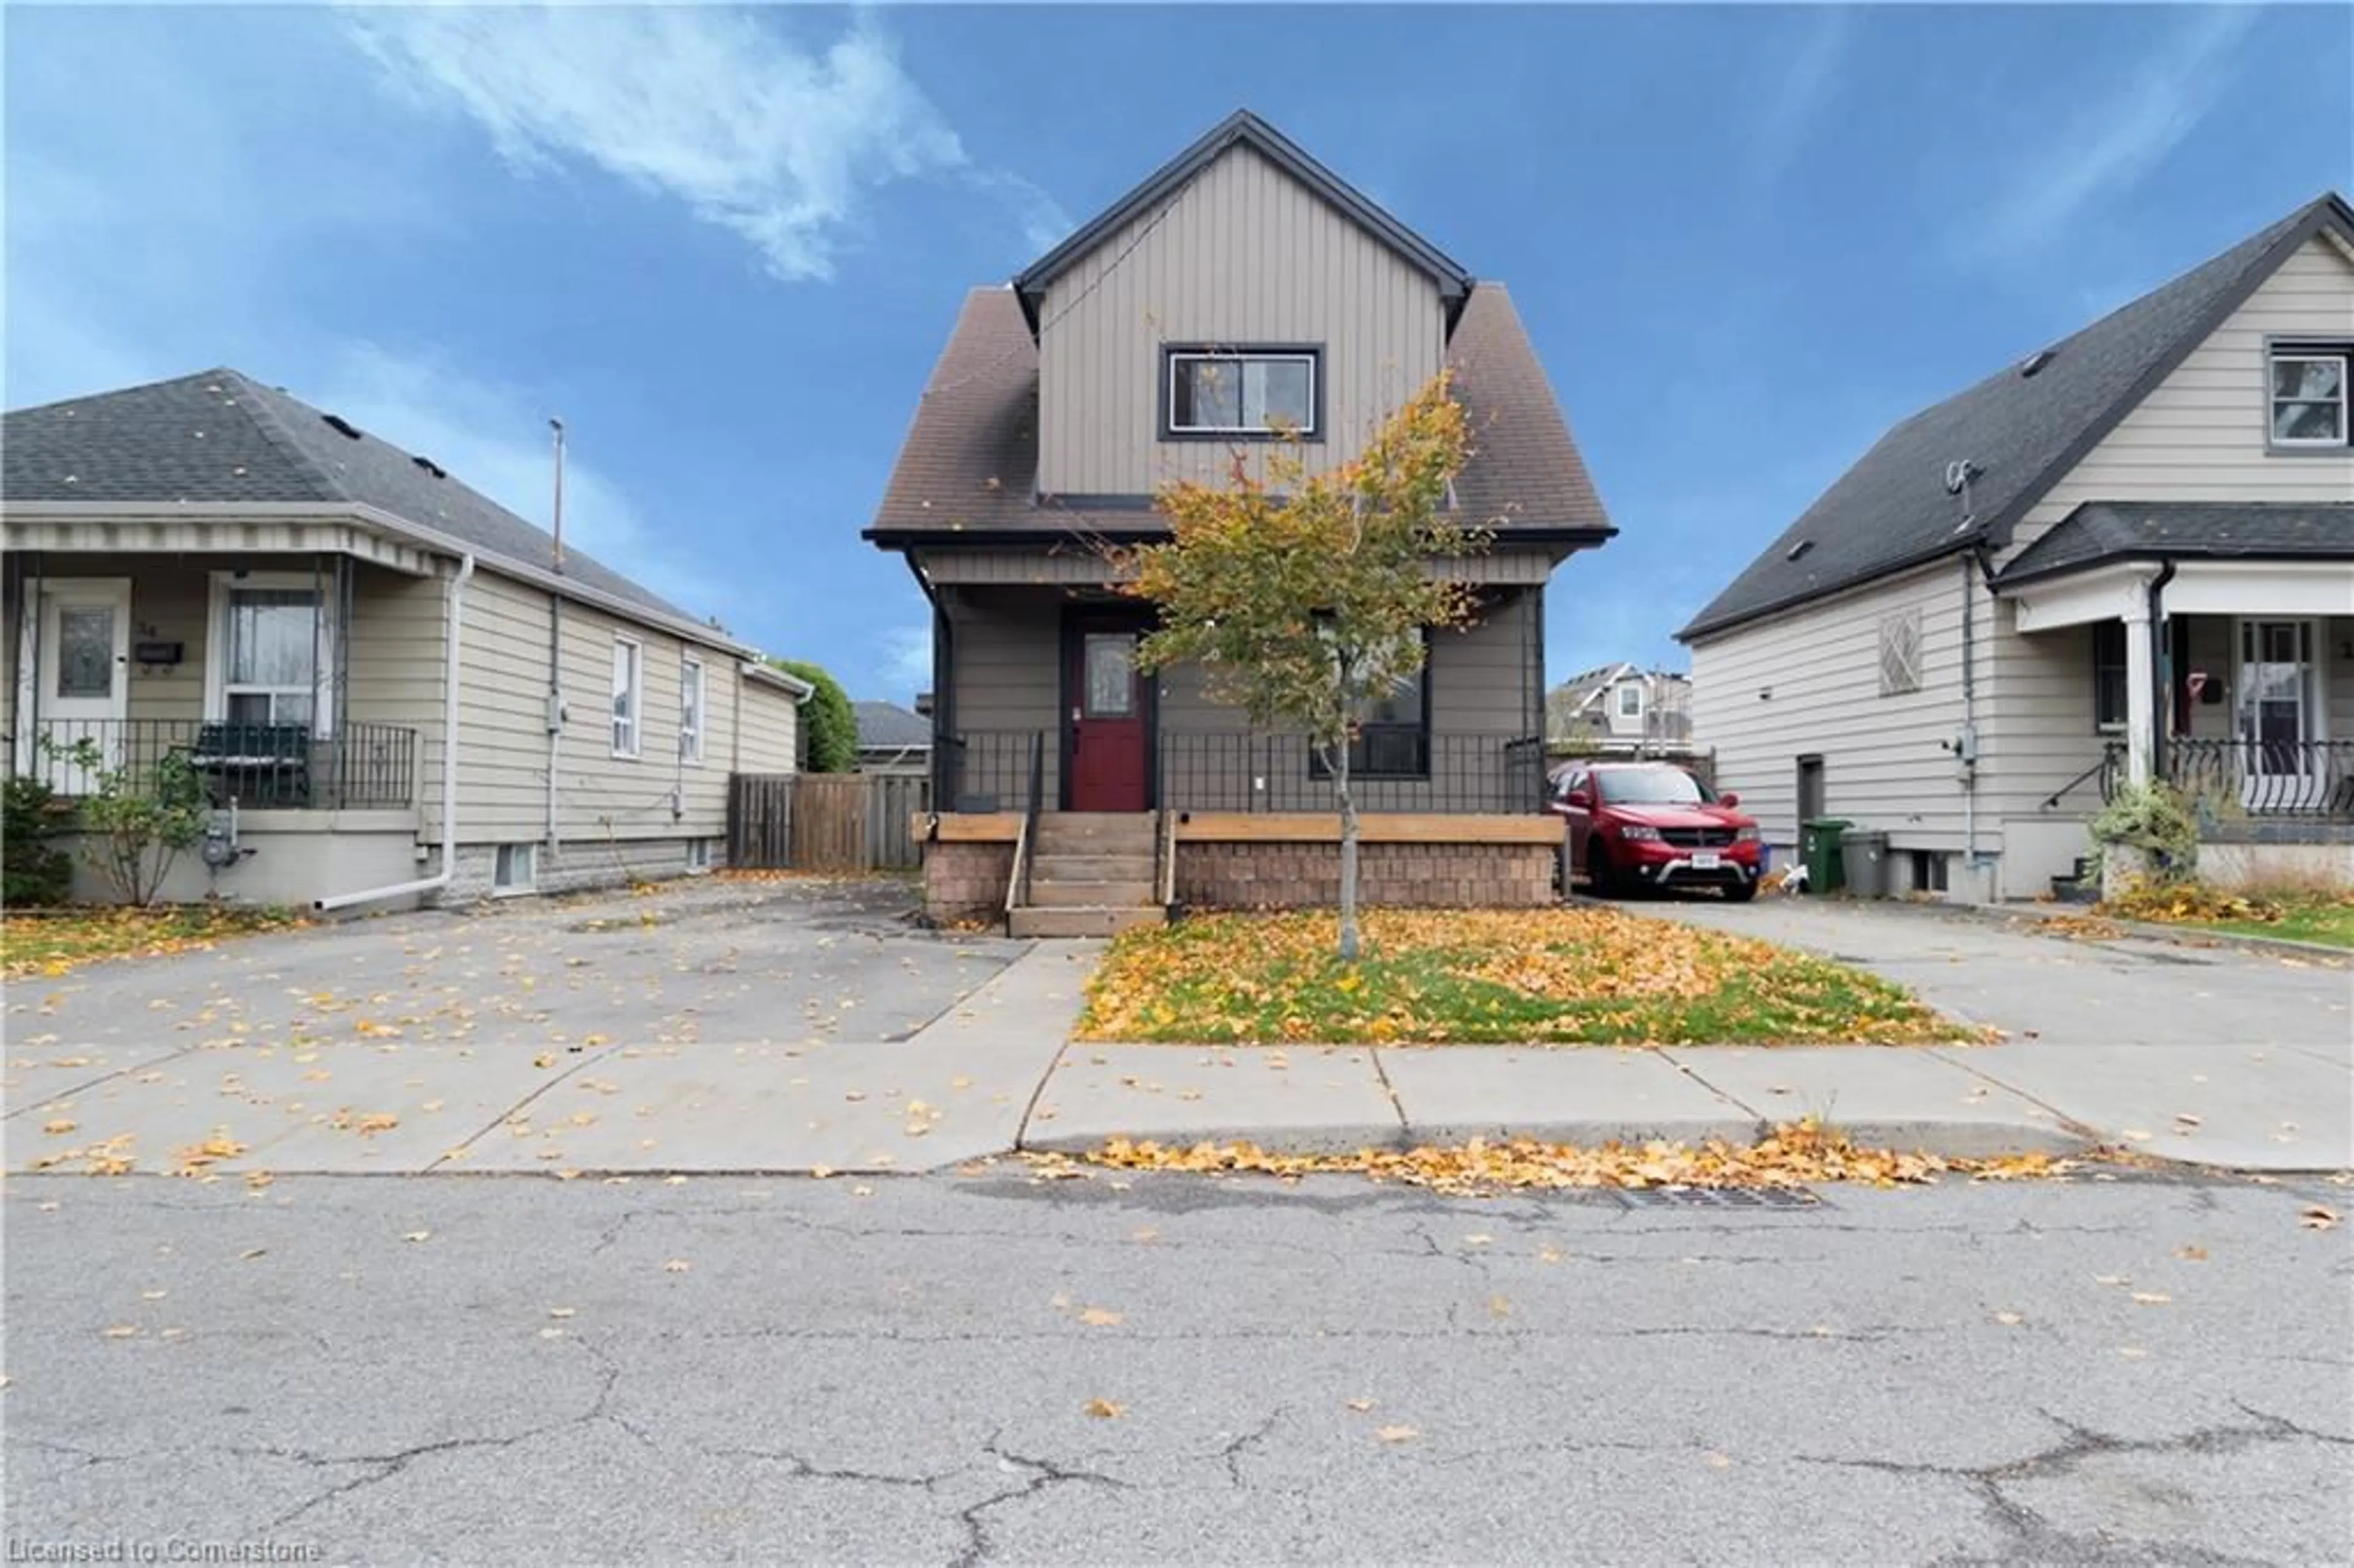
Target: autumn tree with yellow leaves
x=1301 y=593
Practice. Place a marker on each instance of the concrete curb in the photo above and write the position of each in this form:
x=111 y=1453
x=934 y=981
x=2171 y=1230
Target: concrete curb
x=1947 y=1140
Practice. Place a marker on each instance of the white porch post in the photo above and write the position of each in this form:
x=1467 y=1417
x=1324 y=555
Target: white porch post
x=2141 y=691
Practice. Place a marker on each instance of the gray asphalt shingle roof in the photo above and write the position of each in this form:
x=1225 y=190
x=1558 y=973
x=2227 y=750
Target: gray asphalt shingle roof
x=220 y=436
x=889 y=725
x=2107 y=530
x=2022 y=432
x=969 y=464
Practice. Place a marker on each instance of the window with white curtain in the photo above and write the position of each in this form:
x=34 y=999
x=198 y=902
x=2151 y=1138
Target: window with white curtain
x=629 y=696
x=690 y=710
x=270 y=672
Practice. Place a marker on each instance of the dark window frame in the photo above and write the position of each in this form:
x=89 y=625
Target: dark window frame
x=2109 y=677
x=1173 y=352
x=2339 y=349
x=1417 y=737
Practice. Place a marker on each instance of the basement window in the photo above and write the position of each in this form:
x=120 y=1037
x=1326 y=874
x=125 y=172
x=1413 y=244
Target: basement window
x=516 y=869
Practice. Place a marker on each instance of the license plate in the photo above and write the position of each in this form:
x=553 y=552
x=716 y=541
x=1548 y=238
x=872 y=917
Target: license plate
x=1707 y=860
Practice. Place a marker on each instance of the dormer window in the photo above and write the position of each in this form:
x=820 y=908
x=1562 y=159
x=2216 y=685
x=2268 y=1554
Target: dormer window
x=2308 y=395
x=1214 y=393
x=1630 y=701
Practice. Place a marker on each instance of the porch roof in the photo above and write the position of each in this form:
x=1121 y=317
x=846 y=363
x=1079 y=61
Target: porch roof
x=2103 y=531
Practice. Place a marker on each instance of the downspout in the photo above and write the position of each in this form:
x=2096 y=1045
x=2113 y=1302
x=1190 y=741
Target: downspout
x=453 y=628
x=556 y=714
x=2161 y=689
x=943 y=695
x=1965 y=746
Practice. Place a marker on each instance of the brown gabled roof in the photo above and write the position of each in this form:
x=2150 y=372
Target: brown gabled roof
x=969 y=464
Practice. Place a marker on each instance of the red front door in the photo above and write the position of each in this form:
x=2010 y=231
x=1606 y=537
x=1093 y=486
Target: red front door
x=1107 y=746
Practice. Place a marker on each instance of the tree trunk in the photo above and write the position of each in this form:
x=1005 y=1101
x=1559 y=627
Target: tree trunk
x=1349 y=945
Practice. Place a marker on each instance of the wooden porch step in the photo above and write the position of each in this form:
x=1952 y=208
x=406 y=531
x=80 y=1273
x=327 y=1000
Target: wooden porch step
x=1065 y=866
x=1062 y=892
x=1095 y=832
x=1081 y=921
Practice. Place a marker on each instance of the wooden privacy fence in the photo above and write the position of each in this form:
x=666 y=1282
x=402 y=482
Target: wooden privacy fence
x=824 y=822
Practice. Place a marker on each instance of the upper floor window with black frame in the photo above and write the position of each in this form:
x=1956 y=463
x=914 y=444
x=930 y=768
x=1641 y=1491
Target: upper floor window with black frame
x=2309 y=394
x=1211 y=393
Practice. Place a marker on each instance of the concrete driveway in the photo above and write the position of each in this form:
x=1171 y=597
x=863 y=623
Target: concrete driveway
x=709 y=1025
x=2221 y=1053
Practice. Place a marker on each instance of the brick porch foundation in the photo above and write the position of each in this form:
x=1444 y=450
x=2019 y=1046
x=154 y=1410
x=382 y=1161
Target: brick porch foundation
x=1293 y=875
x=966 y=881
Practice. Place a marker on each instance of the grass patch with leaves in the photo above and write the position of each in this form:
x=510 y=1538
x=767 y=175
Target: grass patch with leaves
x=1581 y=976
x=53 y=943
x=2295 y=913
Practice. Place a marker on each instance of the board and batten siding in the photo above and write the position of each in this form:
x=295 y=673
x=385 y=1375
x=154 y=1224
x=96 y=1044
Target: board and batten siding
x=1884 y=762
x=1243 y=254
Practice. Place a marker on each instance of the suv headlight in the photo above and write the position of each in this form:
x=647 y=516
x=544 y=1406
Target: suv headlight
x=1637 y=830
x=1747 y=836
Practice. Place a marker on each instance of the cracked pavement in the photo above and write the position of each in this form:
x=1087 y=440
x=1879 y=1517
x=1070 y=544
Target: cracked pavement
x=515 y=1370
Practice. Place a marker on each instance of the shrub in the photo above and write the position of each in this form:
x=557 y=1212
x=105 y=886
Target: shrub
x=34 y=872
x=133 y=836
x=2155 y=819
x=827 y=717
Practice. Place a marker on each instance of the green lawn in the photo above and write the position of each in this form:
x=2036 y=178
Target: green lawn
x=1583 y=976
x=53 y=944
x=2328 y=922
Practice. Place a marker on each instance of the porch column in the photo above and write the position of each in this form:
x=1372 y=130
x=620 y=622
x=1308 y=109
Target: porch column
x=2141 y=691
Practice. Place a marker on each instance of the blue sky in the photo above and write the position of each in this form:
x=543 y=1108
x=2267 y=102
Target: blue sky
x=726 y=245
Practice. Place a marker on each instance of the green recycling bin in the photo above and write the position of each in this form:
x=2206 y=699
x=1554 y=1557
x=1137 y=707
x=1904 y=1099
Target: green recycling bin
x=1819 y=846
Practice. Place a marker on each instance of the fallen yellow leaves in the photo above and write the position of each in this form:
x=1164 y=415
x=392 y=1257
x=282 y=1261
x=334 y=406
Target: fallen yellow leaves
x=1396 y=1434
x=52 y=944
x=2317 y=1217
x=197 y=1158
x=1104 y=1409
x=1583 y=975
x=1791 y=1156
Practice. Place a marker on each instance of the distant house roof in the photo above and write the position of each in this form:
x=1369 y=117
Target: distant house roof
x=2141 y=530
x=220 y=436
x=968 y=468
x=1246 y=129
x=1582 y=691
x=887 y=726
x=2021 y=430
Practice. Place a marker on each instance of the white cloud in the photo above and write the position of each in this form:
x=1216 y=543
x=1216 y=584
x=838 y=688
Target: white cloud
x=2121 y=135
x=715 y=109
x=905 y=666
x=1805 y=86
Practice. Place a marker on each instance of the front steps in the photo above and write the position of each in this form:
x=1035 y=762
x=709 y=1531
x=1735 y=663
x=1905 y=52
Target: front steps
x=1090 y=875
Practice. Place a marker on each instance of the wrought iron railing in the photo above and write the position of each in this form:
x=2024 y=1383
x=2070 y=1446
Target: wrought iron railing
x=990 y=770
x=1445 y=774
x=2267 y=777
x=262 y=766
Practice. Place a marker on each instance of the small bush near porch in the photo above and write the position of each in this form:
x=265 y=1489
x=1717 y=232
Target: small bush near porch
x=1474 y=976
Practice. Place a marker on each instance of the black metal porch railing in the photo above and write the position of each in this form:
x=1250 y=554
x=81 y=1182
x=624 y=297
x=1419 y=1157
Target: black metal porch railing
x=988 y=770
x=262 y=766
x=2267 y=777
x=1444 y=774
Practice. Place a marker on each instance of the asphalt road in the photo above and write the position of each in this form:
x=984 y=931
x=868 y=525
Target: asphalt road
x=522 y=1370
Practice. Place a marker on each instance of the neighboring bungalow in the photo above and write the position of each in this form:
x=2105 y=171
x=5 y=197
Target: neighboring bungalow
x=2128 y=556
x=1241 y=290
x=392 y=689
x=891 y=739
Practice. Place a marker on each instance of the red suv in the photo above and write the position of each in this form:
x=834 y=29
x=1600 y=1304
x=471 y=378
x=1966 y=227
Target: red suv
x=1647 y=824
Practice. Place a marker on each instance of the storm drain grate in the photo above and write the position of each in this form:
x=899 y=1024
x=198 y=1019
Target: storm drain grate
x=1721 y=1198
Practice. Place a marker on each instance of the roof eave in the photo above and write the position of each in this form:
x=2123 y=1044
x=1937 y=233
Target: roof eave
x=904 y=538
x=1961 y=544
x=2149 y=553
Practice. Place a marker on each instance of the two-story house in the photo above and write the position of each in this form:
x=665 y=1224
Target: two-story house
x=1241 y=291
x=2126 y=556
x=1622 y=706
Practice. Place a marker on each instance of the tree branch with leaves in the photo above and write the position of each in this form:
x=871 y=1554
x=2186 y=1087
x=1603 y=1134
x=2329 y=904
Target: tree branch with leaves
x=1302 y=593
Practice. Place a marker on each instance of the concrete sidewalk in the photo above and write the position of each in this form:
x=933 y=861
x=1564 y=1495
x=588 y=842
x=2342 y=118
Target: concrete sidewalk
x=2220 y=1058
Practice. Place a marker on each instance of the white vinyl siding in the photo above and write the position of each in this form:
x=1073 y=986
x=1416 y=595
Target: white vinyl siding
x=1809 y=684
x=1245 y=254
